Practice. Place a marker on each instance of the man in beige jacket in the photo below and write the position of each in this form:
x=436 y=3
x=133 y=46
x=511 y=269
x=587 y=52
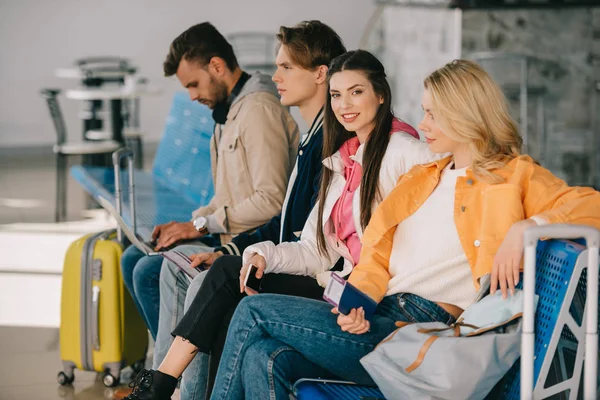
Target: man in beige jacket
x=252 y=154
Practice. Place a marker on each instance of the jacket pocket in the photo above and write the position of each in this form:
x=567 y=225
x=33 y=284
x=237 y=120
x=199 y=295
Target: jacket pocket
x=235 y=168
x=502 y=207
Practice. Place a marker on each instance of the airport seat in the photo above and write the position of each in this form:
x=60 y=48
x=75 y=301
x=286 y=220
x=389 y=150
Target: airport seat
x=558 y=367
x=180 y=180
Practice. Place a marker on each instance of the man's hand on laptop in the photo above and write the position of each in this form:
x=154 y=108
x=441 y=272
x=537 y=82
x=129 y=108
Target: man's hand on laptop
x=204 y=258
x=166 y=235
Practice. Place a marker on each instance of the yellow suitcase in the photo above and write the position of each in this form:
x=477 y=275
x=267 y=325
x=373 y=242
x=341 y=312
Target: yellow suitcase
x=100 y=328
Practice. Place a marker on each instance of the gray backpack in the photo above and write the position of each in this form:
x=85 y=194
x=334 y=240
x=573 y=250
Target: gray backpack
x=461 y=361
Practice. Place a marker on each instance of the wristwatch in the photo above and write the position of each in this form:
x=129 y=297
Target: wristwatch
x=200 y=225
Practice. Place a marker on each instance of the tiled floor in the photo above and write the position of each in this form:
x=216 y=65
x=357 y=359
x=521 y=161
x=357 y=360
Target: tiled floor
x=30 y=280
x=29 y=363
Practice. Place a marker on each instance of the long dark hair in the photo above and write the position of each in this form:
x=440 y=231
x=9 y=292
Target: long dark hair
x=376 y=144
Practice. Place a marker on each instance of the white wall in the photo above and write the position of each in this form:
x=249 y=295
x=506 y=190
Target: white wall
x=38 y=36
x=410 y=55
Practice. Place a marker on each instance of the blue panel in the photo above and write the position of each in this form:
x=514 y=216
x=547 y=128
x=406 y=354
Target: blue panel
x=323 y=390
x=183 y=155
x=556 y=260
x=181 y=178
x=156 y=203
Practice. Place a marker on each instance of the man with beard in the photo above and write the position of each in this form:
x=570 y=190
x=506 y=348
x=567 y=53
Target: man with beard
x=253 y=150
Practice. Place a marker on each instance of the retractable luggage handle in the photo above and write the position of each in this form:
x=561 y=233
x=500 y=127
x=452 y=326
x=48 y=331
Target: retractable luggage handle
x=560 y=231
x=127 y=153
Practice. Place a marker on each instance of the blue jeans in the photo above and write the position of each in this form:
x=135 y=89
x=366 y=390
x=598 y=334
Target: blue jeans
x=176 y=294
x=141 y=275
x=273 y=340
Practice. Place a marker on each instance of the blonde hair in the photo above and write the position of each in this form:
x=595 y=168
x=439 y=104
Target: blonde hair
x=472 y=109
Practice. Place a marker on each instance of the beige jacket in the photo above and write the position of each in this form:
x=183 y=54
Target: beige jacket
x=252 y=156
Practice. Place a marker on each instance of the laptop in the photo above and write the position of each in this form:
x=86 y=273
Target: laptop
x=180 y=259
x=144 y=246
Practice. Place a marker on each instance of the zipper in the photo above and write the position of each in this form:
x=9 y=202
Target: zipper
x=85 y=317
x=217 y=143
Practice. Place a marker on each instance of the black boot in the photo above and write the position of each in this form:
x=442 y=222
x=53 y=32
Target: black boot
x=152 y=385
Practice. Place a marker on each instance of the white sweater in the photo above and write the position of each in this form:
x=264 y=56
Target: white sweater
x=428 y=259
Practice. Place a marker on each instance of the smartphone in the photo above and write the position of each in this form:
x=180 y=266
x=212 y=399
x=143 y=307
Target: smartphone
x=155 y=253
x=251 y=281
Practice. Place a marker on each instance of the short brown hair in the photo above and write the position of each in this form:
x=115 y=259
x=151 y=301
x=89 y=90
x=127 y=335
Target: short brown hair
x=311 y=43
x=199 y=43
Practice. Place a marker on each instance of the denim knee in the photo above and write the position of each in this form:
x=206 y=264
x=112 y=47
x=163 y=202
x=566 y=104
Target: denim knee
x=193 y=290
x=129 y=260
x=147 y=272
x=244 y=312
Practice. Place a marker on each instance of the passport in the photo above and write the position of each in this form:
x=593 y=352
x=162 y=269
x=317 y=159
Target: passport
x=343 y=295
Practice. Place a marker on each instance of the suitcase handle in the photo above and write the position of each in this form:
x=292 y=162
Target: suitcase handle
x=96 y=318
x=560 y=231
x=127 y=153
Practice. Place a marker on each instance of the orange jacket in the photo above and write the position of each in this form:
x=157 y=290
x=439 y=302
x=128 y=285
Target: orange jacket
x=483 y=214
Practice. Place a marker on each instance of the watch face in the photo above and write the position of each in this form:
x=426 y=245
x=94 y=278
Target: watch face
x=200 y=223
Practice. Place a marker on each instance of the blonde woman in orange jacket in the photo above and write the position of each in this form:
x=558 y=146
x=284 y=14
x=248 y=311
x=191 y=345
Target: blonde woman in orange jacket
x=447 y=231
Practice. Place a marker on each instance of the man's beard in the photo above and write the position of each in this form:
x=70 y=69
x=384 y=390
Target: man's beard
x=218 y=92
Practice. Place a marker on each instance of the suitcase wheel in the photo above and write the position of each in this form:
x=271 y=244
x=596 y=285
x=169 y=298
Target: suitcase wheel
x=63 y=379
x=109 y=380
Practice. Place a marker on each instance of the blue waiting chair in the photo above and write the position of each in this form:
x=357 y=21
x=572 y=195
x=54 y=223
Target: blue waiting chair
x=561 y=281
x=181 y=178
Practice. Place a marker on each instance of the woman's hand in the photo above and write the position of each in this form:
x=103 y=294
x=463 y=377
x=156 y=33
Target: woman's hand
x=354 y=322
x=259 y=262
x=505 y=272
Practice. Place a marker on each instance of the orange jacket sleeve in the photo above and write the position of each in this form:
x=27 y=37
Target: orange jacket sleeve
x=550 y=198
x=371 y=275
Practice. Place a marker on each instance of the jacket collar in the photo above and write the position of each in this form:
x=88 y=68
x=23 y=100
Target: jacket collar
x=438 y=164
x=255 y=83
x=314 y=128
x=388 y=214
x=443 y=163
x=336 y=164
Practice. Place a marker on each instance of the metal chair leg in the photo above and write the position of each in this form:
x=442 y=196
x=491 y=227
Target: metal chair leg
x=61 y=188
x=58 y=190
x=64 y=192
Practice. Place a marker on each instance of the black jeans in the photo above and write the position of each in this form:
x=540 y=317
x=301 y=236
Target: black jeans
x=207 y=319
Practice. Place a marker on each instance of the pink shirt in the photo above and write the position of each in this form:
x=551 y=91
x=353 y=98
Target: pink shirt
x=343 y=220
x=341 y=214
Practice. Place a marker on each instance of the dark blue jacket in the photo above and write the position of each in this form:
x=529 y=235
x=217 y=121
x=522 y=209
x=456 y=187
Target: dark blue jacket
x=303 y=189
